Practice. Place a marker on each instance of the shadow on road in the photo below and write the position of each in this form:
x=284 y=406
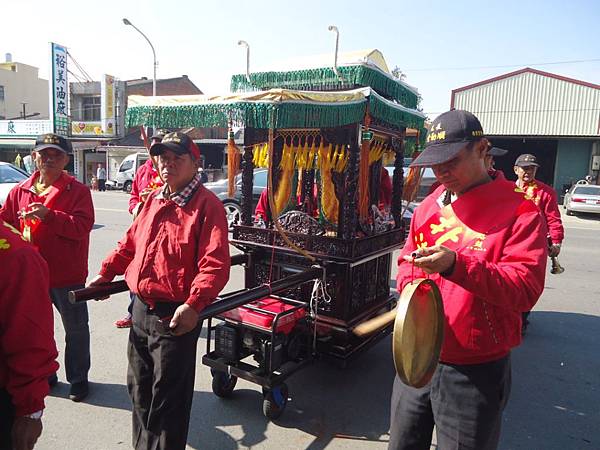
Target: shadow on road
x=555 y=399
x=554 y=402
x=588 y=217
x=325 y=401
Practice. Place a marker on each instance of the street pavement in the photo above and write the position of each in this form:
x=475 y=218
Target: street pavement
x=554 y=404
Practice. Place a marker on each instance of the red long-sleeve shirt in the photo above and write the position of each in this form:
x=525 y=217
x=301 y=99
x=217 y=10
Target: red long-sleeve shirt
x=546 y=199
x=494 y=280
x=27 y=348
x=385 y=189
x=63 y=237
x=144 y=176
x=173 y=253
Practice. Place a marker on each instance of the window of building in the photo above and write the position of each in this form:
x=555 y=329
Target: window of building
x=1 y=93
x=90 y=109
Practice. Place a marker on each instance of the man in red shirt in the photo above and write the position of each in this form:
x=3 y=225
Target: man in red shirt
x=27 y=349
x=545 y=198
x=55 y=213
x=484 y=245
x=175 y=257
x=145 y=181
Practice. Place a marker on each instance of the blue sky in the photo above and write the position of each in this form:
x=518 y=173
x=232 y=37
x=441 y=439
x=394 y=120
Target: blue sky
x=199 y=37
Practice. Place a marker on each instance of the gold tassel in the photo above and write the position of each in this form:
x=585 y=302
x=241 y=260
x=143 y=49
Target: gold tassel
x=284 y=188
x=329 y=201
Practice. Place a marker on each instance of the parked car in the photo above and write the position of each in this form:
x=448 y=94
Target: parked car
x=582 y=198
x=10 y=176
x=127 y=170
x=426 y=181
x=233 y=205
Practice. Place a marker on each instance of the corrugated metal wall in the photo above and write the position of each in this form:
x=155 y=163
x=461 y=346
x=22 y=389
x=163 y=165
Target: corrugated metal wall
x=532 y=104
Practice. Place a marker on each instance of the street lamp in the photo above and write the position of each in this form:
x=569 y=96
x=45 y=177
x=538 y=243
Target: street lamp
x=127 y=22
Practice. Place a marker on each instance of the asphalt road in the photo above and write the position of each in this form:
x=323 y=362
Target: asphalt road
x=555 y=400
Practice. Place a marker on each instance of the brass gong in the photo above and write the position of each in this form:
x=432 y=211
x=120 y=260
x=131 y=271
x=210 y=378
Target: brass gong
x=418 y=332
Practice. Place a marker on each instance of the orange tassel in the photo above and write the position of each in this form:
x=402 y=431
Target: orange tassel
x=363 y=174
x=412 y=183
x=233 y=163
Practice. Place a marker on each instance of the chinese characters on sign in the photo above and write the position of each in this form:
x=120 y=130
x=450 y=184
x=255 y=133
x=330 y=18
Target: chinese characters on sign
x=22 y=128
x=59 y=102
x=108 y=104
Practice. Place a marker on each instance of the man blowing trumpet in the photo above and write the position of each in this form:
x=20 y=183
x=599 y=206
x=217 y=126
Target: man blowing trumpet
x=175 y=257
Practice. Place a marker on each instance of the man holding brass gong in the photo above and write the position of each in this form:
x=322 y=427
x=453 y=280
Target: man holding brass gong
x=484 y=245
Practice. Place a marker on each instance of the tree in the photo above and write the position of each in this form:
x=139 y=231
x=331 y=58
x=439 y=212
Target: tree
x=397 y=73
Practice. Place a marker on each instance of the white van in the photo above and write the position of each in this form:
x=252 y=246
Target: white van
x=128 y=168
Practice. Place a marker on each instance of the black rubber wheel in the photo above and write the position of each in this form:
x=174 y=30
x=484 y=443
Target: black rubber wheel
x=275 y=401
x=223 y=384
x=569 y=212
x=127 y=187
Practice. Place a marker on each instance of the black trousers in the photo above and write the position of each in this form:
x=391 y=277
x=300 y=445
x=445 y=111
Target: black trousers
x=464 y=402
x=7 y=417
x=101 y=185
x=160 y=378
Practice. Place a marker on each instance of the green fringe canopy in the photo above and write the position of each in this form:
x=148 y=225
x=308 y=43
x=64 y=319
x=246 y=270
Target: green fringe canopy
x=254 y=115
x=325 y=79
x=393 y=114
x=263 y=114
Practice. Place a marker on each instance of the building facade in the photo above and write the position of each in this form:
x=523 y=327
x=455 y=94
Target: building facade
x=22 y=91
x=530 y=111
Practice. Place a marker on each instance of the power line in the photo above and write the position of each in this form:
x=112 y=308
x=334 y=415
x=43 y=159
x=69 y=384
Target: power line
x=81 y=69
x=575 y=61
x=75 y=76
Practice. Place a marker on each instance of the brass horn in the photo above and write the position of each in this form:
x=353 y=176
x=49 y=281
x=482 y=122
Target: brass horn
x=556 y=267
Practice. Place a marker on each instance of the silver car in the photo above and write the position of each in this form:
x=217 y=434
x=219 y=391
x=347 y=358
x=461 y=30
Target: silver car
x=10 y=176
x=232 y=206
x=582 y=198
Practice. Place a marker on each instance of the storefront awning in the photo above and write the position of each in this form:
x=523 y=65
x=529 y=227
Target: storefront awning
x=17 y=143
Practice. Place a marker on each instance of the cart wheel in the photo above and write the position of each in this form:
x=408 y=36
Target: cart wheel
x=223 y=383
x=275 y=401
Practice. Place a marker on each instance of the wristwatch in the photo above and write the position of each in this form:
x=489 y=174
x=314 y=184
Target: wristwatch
x=35 y=415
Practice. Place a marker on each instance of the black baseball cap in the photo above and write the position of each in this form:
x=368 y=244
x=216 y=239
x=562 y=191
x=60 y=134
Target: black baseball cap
x=51 y=140
x=496 y=151
x=526 y=160
x=177 y=142
x=448 y=134
x=159 y=134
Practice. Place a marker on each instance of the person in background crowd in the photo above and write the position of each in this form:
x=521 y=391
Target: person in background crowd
x=175 y=257
x=55 y=213
x=27 y=348
x=492 y=153
x=101 y=177
x=145 y=181
x=545 y=198
x=489 y=266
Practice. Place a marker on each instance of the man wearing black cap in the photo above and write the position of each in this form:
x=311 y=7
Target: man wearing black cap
x=545 y=198
x=145 y=181
x=175 y=257
x=491 y=154
x=55 y=213
x=484 y=246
